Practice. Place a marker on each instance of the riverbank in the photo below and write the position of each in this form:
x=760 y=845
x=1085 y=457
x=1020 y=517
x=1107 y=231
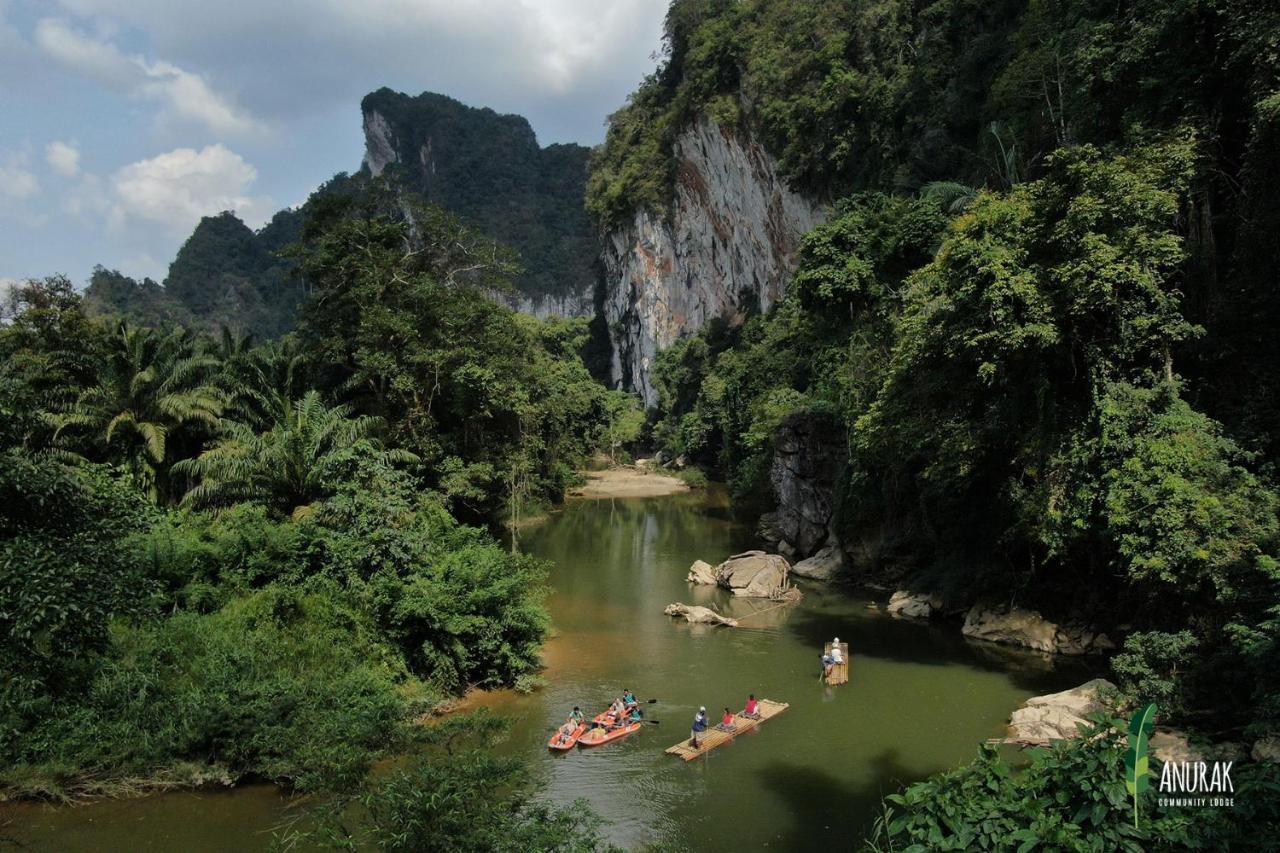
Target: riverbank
x=627 y=482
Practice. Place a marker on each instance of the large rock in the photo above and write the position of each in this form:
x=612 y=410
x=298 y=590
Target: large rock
x=822 y=566
x=727 y=247
x=1077 y=639
x=1177 y=746
x=808 y=453
x=699 y=615
x=1013 y=626
x=754 y=574
x=702 y=573
x=1058 y=716
x=1266 y=749
x=915 y=605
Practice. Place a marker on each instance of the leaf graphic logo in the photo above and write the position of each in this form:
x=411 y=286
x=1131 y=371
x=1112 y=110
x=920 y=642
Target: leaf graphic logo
x=1136 y=762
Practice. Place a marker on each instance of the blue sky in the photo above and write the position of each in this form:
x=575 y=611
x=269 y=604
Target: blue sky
x=124 y=121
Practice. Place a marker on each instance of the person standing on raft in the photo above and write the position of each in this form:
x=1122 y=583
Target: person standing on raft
x=699 y=726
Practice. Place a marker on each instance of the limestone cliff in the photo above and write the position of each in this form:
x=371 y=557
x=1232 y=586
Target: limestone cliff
x=728 y=245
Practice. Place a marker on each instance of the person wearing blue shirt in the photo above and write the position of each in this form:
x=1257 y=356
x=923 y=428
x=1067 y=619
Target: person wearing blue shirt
x=699 y=726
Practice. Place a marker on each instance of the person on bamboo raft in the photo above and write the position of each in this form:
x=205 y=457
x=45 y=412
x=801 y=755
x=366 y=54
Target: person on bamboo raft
x=752 y=709
x=699 y=726
x=726 y=722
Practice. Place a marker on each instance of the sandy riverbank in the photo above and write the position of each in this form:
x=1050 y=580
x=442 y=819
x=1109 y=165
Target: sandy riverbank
x=627 y=483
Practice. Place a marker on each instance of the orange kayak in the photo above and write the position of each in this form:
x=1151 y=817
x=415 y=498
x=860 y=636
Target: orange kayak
x=595 y=737
x=562 y=742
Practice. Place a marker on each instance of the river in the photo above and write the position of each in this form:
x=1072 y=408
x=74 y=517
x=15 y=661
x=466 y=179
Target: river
x=920 y=700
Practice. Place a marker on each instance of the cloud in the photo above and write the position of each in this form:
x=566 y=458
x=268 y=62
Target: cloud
x=183 y=94
x=17 y=184
x=63 y=158
x=565 y=64
x=175 y=189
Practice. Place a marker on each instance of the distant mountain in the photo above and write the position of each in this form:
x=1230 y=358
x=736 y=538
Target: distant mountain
x=224 y=274
x=488 y=169
x=485 y=168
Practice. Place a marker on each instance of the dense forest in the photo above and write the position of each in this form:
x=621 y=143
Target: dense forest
x=225 y=560
x=1036 y=323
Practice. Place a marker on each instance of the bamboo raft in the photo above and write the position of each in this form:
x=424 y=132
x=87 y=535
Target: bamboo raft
x=714 y=737
x=839 y=672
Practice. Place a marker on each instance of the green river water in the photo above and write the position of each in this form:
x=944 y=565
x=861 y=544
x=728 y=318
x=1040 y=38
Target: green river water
x=920 y=699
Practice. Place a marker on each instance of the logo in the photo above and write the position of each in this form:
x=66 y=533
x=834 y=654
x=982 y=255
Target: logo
x=1136 y=760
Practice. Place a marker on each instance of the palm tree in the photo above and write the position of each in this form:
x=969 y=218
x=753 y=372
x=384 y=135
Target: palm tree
x=951 y=196
x=150 y=388
x=261 y=382
x=285 y=467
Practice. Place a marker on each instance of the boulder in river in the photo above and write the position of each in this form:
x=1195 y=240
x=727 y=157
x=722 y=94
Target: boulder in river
x=914 y=605
x=699 y=615
x=754 y=574
x=822 y=566
x=1058 y=716
x=702 y=572
x=1013 y=626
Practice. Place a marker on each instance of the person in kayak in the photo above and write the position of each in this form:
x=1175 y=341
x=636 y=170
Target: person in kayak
x=617 y=709
x=635 y=716
x=753 y=707
x=576 y=716
x=629 y=699
x=726 y=722
x=699 y=726
x=566 y=731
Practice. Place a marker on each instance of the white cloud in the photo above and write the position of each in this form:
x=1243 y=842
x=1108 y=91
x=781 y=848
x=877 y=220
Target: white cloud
x=177 y=188
x=183 y=94
x=564 y=63
x=63 y=158
x=16 y=183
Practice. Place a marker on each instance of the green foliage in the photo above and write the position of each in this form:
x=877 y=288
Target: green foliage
x=1071 y=796
x=286 y=684
x=1150 y=666
x=63 y=576
x=289 y=467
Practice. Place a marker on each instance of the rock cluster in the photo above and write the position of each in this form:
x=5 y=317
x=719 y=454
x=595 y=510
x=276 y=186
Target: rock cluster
x=914 y=605
x=1018 y=627
x=752 y=574
x=1058 y=715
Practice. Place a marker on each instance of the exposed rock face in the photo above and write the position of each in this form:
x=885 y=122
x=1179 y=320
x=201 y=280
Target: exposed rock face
x=823 y=566
x=1015 y=627
x=702 y=573
x=1058 y=715
x=914 y=605
x=699 y=615
x=729 y=244
x=808 y=453
x=1027 y=628
x=1176 y=746
x=1267 y=749
x=754 y=574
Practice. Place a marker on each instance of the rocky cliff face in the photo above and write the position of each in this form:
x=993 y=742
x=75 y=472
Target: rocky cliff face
x=729 y=244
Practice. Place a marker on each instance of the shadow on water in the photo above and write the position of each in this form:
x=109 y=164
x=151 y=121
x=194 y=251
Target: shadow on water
x=878 y=635
x=826 y=810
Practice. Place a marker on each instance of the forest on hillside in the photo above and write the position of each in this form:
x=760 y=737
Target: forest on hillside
x=1037 y=326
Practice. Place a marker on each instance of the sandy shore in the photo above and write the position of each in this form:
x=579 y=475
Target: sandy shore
x=627 y=483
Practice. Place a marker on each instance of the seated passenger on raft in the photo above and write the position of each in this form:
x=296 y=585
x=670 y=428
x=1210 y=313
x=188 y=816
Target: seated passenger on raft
x=726 y=722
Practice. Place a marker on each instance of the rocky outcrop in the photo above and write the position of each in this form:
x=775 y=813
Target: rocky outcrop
x=1018 y=627
x=808 y=454
x=823 y=566
x=699 y=615
x=914 y=605
x=1178 y=746
x=751 y=574
x=1058 y=716
x=755 y=574
x=1266 y=749
x=702 y=573
x=728 y=246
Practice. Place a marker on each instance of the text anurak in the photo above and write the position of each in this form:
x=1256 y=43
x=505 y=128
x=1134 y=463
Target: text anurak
x=1196 y=777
